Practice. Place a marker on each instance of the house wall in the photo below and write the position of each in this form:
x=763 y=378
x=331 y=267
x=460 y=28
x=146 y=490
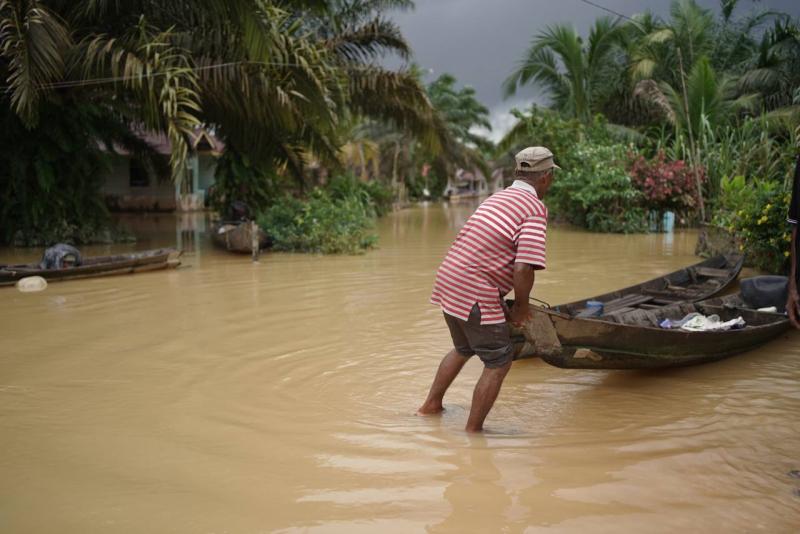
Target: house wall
x=208 y=166
x=159 y=195
x=202 y=168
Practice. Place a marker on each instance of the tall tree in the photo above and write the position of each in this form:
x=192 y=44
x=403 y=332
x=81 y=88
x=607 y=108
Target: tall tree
x=459 y=114
x=665 y=48
x=258 y=71
x=359 y=36
x=571 y=72
x=774 y=70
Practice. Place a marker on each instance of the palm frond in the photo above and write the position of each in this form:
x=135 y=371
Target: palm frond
x=660 y=36
x=168 y=101
x=540 y=66
x=396 y=97
x=515 y=136
x=656 y=95
x=642 y=69
x=33 y=40
x=369 y=41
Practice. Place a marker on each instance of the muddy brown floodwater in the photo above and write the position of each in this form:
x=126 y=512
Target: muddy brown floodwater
x=231 y=397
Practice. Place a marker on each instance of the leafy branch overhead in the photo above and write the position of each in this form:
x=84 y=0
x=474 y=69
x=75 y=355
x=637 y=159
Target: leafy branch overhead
x=274 y=78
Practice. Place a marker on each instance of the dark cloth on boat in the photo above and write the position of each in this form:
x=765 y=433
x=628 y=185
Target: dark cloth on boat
x=794 y=216
x=56 y=257
x=491 y=342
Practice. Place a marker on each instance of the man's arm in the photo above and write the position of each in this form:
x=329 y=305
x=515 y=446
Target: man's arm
x=524 y=275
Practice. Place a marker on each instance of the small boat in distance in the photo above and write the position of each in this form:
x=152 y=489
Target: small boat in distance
x=237 y=236
x=134 y=262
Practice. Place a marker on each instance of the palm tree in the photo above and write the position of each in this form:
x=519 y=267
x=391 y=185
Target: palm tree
x=358 y=36
x=666 y=48
x=571 y=72
x=775 y=68
x=459 y=113
x=734 y=42
x=702 y=102
x=460 y=109
x=251 y=69
x=361 y=153
x=168 y=66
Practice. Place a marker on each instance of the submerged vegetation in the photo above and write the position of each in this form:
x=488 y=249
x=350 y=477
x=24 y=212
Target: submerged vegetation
x=338 y=218
x=596 y=192
x=755 y=213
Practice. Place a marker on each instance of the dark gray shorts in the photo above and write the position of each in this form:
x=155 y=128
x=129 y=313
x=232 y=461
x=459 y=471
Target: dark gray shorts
x=491 y=342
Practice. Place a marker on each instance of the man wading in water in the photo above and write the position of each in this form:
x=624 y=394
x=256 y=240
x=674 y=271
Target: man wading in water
x=500 y=247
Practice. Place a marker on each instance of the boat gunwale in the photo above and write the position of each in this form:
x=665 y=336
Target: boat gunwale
x=96 y=261
x=737 y=261
x=95 y=266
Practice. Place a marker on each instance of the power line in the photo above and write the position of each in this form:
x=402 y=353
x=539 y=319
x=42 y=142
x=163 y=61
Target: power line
x=608 y=10
x=115 y=79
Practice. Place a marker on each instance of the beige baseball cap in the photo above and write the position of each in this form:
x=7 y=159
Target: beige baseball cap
x=535 y=158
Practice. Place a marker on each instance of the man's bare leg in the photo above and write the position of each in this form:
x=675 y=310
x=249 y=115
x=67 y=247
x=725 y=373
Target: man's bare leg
x=448 y=370
x=486 y=391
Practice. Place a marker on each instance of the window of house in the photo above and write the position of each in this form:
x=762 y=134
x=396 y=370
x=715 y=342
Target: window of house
x=138 y=174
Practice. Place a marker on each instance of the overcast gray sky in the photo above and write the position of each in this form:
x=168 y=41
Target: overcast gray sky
x=481 y=41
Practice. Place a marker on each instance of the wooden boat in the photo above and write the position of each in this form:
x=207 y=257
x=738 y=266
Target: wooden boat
x=237 y=236
x=564 y=327
x=636 y=342
x=135 y=262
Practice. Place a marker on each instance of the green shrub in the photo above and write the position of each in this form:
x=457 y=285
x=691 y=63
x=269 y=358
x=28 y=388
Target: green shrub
x=539 y=126
x=237 y=178
x=324 y=222
x=749 y=149
x=51 y=176
x=755 y=213
x=595 y=190
x=372 y=193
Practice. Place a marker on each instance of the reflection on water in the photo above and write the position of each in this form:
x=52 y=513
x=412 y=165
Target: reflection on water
x=229 y=396
x=185 y=231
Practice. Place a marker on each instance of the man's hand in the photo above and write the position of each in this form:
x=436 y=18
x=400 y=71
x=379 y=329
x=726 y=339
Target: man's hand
x=520 y=312
x=792 y=306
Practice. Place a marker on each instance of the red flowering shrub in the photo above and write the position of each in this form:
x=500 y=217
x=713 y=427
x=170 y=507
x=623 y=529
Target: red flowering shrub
x=665 y=185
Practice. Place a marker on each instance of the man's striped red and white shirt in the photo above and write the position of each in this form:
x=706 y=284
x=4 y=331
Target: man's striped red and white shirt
x=508 y=227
